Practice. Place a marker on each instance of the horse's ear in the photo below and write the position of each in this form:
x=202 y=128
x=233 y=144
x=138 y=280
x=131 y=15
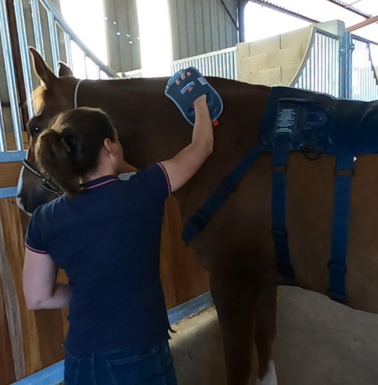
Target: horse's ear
x=64 y=70
x=42 y=69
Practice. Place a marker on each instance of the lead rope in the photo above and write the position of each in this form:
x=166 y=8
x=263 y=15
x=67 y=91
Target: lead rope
x=76 y=91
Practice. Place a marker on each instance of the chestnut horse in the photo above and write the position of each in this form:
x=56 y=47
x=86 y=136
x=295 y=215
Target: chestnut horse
x=236 y=247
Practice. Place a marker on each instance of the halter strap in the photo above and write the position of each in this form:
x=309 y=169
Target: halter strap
x=76 y=91
x=27 y=165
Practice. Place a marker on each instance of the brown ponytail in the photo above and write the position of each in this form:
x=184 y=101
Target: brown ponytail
x=70 y=148
x=55 y=160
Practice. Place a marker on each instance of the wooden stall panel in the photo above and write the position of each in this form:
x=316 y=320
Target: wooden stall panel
x=185 y=279
x=9 y=173
x=7 y=372
x=11 y=142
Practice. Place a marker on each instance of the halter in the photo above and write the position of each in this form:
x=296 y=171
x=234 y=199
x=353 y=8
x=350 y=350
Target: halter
x=76 y=92
x=47 y=183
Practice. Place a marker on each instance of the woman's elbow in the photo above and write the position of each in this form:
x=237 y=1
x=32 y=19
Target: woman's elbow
x=209 y=148
x=34 y=304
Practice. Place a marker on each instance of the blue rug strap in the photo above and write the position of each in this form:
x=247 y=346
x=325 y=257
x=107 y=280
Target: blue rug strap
x=279 y=231
x=341 y=208
x=200 y=219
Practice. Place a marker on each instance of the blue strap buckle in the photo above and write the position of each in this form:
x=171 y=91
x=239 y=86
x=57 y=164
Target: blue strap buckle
x=337 y=267
x=276 y=168
x=228 y=184
x=341 y=298
x=279 y=233
x=199 y=219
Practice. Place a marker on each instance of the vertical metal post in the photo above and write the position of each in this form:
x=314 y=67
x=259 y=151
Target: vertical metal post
x=54 y=41
x=67 y=39
x=346 y=56
x=36 y=17
x=25 y=58
x=3 y=141
x=11 y=75
x=235 y=61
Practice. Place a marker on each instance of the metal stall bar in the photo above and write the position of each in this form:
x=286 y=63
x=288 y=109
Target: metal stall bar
x=364 y=77
x=67 y=40
x=318 y=66
x=25 y=58
x=58 y=18
x=219 y=63
x=11 y=78
x=54 y=41
x=36 y=18
x=3 y=142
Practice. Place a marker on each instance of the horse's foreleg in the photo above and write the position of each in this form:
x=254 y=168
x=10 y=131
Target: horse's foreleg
x=235 y=305
x=265 y=333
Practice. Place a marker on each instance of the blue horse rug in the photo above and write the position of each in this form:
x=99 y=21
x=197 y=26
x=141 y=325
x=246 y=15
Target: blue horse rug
x=311 y=123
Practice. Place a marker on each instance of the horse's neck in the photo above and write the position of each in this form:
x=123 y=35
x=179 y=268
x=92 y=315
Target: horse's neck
x=153 y=130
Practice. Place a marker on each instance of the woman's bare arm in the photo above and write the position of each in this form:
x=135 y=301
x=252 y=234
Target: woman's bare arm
x=187 y=162
x=40 y=288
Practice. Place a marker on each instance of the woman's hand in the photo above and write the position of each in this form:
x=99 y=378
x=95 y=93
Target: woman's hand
x=187 y=162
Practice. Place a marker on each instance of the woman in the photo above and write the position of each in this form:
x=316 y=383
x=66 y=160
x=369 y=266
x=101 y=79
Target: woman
x=105 y=234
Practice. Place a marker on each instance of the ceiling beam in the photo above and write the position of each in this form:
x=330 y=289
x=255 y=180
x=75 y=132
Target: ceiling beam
x=229 y=15
x=363 y=24
x=284 y=10
x=350 y=8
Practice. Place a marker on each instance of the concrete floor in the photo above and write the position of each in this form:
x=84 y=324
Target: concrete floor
x=319 y=342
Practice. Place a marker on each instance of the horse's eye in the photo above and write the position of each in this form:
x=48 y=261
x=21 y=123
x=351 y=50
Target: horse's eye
x=35 y=131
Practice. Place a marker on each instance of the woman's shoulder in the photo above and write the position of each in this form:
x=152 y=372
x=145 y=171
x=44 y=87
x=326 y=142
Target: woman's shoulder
x=47 y=209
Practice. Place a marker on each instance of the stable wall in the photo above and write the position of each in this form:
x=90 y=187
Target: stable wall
x=198 y=26
x=201 y=26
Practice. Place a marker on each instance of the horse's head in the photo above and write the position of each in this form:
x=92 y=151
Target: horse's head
x=55 y=95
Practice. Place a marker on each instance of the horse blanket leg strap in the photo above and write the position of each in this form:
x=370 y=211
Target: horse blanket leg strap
x=200 y=219
x=279 y=231
x=337 y=264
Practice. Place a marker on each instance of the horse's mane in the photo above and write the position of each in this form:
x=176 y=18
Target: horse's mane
x=38 y=97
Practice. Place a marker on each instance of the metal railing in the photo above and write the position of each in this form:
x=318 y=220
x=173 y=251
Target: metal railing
x=364 y=76
x=330 y=65
x=47 y=31
x=14 y=132
x=136 y=74
x=62 y=38
x=221 y=63
x=320 y=71
x=340 y=66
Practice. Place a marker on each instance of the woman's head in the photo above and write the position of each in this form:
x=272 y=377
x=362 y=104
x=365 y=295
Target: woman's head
x=79 y=144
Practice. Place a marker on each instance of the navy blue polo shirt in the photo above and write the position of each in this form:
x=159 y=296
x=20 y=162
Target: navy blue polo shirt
x=107 y=239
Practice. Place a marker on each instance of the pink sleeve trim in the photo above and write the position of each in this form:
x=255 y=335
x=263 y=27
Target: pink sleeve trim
x=167 y=178
x=35 y=250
